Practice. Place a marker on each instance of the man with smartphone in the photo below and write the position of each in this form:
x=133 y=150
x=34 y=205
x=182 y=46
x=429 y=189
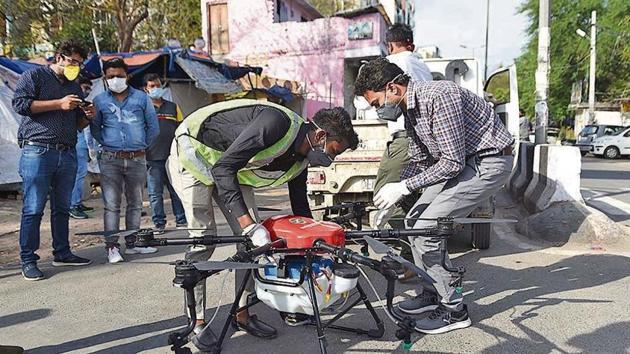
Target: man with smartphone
x=49 y=99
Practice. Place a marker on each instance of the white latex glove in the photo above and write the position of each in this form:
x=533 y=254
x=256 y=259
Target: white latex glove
x=258 y=234
x=390 y=194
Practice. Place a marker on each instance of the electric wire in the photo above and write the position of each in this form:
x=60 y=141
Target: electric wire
x=216 y=311
x=376 y=293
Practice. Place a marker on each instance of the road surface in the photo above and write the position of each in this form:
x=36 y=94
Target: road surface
x=606 y=186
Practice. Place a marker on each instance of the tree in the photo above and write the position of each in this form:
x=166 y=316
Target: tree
x=570 y=53
x=179 y=19
x=127 y=15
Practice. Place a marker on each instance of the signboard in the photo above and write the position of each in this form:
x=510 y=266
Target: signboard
x=360 y=30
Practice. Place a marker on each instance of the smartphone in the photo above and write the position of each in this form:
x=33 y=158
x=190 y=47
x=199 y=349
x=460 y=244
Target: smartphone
x=84 y=103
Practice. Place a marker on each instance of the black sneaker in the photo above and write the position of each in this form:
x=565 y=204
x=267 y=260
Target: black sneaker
x=181 y=225
x=443 y=320
x=158 y=230
x=71 y=260
x=426 y=301
x=77 y=213
x=31 y=272
x=85 y=209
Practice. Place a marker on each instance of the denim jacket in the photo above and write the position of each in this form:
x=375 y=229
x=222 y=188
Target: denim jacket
x=130 y=125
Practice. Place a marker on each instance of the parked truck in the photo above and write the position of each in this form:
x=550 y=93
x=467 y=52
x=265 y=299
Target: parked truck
x=352 y=176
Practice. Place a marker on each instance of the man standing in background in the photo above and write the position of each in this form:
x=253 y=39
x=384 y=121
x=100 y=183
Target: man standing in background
x=125 y=125
x=84 y=145
x=399 y=39
x=169 y=116
x=49 y=100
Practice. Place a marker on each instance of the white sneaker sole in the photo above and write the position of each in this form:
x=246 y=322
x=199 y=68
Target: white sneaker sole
x=32 y=279
x=114 y=261
x=451 y=327
x=418 y=311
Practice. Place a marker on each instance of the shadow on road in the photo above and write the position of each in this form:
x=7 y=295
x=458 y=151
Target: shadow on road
x=23 y=317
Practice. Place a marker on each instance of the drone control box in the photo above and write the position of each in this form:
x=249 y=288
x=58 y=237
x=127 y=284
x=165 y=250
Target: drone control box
x=301 y=232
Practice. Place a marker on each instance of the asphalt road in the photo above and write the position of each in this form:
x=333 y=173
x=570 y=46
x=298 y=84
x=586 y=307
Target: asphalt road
x=522 y=298
x=606 y=186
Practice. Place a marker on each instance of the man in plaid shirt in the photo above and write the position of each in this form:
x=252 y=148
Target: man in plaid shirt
x=461 y=154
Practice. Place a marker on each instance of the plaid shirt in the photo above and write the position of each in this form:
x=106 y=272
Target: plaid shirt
x=447 y=124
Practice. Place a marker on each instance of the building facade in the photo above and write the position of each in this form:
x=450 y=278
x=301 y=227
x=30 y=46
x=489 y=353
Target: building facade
x=292 y=41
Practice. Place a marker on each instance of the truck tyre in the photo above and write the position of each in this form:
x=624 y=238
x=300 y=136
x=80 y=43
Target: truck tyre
x=583 y=153
x=480 y=237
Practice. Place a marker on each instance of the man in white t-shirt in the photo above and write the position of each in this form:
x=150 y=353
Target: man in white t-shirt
x=399 y=39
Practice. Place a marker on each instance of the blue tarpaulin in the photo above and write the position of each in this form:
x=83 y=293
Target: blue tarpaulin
x=18 y=66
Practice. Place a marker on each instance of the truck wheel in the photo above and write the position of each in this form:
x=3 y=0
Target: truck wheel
x=480 y=237
x=583 y=153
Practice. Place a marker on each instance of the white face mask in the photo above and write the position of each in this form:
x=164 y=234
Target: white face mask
x=117 y=84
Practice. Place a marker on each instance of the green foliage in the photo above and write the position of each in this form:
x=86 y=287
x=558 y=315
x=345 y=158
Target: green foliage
x=570 y=53
x=178 y=19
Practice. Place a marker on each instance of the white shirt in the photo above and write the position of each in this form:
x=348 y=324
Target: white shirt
x=412 y=65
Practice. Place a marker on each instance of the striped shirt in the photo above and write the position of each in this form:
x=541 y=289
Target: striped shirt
x=447 y=124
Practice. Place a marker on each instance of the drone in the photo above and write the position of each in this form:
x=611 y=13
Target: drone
x=306 y=269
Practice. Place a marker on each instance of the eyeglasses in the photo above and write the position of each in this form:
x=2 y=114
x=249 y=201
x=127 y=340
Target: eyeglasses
x=74 y=61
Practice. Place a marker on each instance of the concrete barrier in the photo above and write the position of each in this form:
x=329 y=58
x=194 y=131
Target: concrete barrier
x=523 y=170
x=556 y=177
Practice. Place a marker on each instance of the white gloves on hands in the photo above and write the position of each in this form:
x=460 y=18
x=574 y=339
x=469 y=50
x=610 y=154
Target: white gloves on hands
x=258 y=234
x=390 y=194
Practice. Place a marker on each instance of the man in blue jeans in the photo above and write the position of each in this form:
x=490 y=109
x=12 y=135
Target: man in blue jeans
x=125 y=124
x=49 y=100
x=169 y=116
x=84 y=148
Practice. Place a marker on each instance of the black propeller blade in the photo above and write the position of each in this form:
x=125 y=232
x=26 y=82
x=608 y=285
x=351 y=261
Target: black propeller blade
x=108 y=233
x=216 y=265
x=463 y=221
x=381 y=248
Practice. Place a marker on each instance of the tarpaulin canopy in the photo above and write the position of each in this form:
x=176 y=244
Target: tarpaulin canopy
x=18 y=66
x=207 y=78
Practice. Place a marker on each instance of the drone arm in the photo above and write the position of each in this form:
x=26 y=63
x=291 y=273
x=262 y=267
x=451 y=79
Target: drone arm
x=206 y=241
x=389 y=233
x=349 y=256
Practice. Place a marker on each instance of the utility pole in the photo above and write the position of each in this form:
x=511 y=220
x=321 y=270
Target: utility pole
x=592 y=67
x=485 y=60
x=542 y=73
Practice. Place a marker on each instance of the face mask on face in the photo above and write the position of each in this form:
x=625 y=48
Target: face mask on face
x=117 y=84
x=71 y=72
x=390 y=110
x=156 y=93
x=317 y=156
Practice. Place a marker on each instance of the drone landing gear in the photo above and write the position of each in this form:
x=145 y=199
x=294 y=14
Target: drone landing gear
x=323 y=325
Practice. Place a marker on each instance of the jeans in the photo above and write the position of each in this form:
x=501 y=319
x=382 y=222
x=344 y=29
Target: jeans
x=120 y=176
x=45 y=172
x=156 y=179
x=479 y=180
x=82 y=169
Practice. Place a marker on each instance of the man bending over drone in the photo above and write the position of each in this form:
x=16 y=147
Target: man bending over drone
x=460 y=154
x=224 y=150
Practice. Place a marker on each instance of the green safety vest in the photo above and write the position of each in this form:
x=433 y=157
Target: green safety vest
x=198 y=158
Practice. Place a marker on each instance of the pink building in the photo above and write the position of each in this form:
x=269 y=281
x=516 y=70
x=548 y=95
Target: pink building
x=292 y=41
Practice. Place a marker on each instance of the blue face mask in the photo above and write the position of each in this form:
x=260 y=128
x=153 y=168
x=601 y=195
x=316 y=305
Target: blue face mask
x=156 y=93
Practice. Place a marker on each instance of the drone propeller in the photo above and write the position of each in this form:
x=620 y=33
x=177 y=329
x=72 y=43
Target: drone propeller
x=131 y=232
x=463 y=221
x=268 y=209
x=215 y=265
x=381 y=248
x=108 y=233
